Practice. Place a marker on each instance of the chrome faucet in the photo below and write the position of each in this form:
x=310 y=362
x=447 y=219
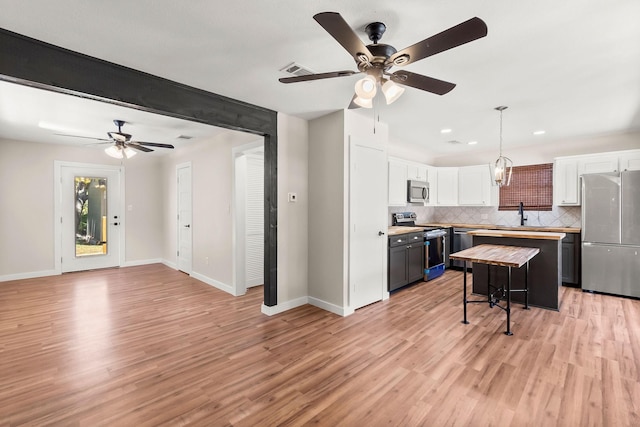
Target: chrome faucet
x=521 y=213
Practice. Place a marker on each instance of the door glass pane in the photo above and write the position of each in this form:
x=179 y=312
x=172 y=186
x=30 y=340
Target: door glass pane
x=91 y=216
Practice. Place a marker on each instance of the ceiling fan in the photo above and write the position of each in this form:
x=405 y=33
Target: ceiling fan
x=376 y=59
x=123 y=146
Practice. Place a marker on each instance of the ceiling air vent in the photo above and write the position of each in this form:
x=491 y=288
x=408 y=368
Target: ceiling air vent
x=296 y=70
x=184 y=137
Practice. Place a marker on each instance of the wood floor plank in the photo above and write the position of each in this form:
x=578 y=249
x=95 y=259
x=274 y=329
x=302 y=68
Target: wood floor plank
x=150 y=346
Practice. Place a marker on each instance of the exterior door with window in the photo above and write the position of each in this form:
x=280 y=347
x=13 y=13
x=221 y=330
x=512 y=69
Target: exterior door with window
x=90 y=217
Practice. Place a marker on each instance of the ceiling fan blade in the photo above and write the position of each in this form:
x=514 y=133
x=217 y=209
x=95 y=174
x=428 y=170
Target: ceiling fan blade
x=152 y=144
x=418 y=81
x=84 y=137
x=335 y=25
x=352 y=104
x=319 y=76
x=465 y=32
x=138 y=147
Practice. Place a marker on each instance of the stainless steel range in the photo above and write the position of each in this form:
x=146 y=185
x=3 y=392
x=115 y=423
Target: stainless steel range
x=434 y=243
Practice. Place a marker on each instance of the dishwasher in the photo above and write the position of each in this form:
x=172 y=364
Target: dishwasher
x=461 y=241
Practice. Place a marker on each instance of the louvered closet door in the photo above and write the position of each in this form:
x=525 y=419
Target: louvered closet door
x=254 y=220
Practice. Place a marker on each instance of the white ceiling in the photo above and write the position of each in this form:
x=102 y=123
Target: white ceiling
x=569 y=67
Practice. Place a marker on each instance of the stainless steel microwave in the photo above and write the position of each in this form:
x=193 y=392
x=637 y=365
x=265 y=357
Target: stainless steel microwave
x=417 y=191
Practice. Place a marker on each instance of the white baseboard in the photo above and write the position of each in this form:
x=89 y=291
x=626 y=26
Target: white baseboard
x=282 y=307
x=142 y=262
x=212 y=282
x=340 y=311
x=29 y=275
x=169 y=264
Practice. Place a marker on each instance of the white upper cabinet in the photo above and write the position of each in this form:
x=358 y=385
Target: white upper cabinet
x=432 y=179
x=630 y=161
x=566 y=191
x=598 y=163
x=397 y=183
x=447 y=187
x=417 y=172
x=474 y=186
x=568 y=170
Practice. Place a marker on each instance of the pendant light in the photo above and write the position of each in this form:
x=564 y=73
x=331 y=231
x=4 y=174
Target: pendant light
x=504 y=165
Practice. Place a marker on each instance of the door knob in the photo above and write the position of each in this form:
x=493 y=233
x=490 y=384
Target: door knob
x=116 y=223
x=380 y=233
x=188 y=225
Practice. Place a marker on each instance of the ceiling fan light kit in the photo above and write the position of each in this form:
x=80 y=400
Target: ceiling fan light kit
x=376 y=59
x=123 y=146
x=117 y=152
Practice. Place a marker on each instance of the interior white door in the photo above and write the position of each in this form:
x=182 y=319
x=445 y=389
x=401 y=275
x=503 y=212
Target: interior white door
x=254 y=220
x=185 y=229
x=368 y=223
x=91 y=221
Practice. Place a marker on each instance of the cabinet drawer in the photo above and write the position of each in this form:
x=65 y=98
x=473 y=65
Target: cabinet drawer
x=405 y=239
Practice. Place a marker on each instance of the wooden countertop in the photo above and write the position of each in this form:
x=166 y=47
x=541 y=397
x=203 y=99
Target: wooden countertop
x=509 y=256
x=504 y=227
x=518 y=234
x=397 y=230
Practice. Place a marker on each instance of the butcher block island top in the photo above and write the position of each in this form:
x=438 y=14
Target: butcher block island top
x=508 y=256
x=520 y=234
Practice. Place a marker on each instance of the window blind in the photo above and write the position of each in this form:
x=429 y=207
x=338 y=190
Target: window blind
x=532 y=185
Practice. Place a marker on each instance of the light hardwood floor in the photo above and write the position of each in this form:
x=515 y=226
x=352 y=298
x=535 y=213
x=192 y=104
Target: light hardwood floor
x=150 y=346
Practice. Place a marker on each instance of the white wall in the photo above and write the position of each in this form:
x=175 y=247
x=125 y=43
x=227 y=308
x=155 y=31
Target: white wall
x=545 y=151
x=293 y=218
x=27 y=205
x=211 y=168
x=327 y=276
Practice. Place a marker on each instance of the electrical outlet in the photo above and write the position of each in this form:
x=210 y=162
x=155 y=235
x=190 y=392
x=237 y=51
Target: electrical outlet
x=206 y=260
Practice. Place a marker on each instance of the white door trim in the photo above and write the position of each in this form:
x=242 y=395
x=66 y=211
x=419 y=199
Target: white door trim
x=57 y=208
x=237 y=220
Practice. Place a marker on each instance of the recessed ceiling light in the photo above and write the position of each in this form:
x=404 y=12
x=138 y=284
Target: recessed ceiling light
x=472 y=142
x=445 y=131
x=539 y=132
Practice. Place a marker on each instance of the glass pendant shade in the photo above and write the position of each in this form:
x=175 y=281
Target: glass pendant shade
x=366 y=87
x=129 y=152
x=114 y=151
x=363 y=102
x=391 y=91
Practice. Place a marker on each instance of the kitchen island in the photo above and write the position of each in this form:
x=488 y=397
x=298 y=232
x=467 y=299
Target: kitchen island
x=503 y=256
x=545 y=270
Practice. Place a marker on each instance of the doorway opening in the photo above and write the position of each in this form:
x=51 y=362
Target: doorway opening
x=248 y=216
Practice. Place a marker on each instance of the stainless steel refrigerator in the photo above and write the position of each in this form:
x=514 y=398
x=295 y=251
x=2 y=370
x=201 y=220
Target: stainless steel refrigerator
x=611 y=233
